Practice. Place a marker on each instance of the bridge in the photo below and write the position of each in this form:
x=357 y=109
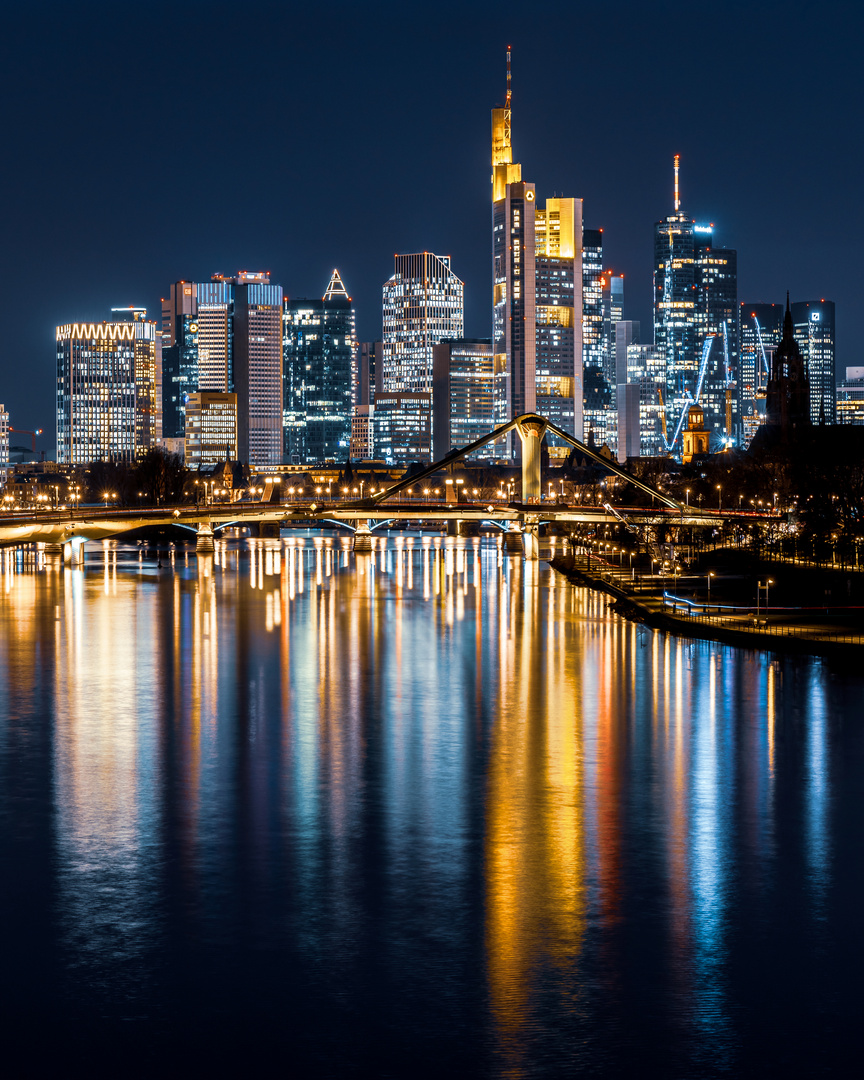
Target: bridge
x=519 y=519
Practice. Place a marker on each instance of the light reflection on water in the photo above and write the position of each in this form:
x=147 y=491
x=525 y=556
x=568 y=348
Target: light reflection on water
x=438 y=791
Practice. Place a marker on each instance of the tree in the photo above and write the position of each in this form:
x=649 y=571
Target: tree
x=161 y=476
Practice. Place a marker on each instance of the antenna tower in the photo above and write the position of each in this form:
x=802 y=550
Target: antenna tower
x=677 y=198
x=508 y=126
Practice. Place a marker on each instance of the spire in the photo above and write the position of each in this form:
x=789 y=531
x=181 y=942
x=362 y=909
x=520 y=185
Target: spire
x=508 y=115
x=335 y=287
x=788 y=331
x=677 y=196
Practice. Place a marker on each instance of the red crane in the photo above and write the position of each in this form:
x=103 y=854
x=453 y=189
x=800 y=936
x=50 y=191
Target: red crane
x=21 y=431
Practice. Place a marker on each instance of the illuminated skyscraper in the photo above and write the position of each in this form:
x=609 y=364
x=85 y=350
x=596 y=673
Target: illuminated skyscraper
x=537 y=290
x=597 y=392
x=106 y=389
x=4 y=444
x=179 y=355
x=423 y=304
x=613 y=311
x=258 y=369
x=695 y=297
x=813 y=322
x=319 y=349
x=760 y=328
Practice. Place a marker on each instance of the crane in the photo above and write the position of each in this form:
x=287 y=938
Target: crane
x=728 y=376
x=761 y=346
x=33 y=434
x=694 y=399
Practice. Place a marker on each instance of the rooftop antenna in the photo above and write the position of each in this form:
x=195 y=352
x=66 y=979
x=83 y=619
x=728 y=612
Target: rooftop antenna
x=508 y=127
x=677 y=166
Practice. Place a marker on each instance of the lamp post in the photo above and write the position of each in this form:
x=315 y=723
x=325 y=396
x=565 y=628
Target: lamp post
x=710 y=575
x=719 y=498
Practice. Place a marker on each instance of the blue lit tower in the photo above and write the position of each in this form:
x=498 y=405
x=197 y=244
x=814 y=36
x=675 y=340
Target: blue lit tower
x=813 y=322
x=179 y=356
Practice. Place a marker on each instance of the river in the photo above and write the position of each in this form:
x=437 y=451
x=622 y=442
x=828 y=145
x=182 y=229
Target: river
x=431 y=809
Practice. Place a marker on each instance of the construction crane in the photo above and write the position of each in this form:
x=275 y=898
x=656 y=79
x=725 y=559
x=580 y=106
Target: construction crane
x=692 y=399
x=32 y=434
x=662 y=413
x=761 y=346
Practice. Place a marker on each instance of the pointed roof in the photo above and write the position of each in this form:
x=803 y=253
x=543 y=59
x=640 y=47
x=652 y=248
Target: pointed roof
x=335 y=287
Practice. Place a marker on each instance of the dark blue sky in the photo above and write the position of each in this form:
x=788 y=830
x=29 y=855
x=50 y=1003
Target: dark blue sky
x=148 y=142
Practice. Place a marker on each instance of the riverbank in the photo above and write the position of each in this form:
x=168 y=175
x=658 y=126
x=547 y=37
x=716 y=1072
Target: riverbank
x=648 y=606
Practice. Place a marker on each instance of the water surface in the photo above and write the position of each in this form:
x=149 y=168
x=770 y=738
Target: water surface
x=428 y=810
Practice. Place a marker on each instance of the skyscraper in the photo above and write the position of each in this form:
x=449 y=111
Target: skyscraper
x=813 y=323
x=613 y=311
x=463 y=397
x=179 y=355
x=258 y=369
x=536 y=290
x=211 y=428
x=423 y=304
x=760 y=328
x=106 y=389
x=695 y=298
x=320 y=368
x=4 y=444
x=597 y=393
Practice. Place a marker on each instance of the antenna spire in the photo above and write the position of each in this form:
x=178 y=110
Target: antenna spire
x=677 y=195
x=508 y=78
x=508 y=123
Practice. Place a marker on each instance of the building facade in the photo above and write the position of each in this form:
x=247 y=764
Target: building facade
x=760 y=328
x=463 y=396
x=4 y=444
x=537 y=292
x=850 y=398
x=258 y=364
x=813 y=325
x=696 y=320
x=403 y=428
x=211 y=428
x=319 y=370
x=423 y=305
x=106 y=389
x=179 y=356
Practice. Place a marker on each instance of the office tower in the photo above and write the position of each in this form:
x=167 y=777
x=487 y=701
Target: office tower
x=646 y=368
x=216 y=334
x=597 y=393
x=695 y=298
x=423 y=304
x=363 y=432
x=320 y=368
x=463 y=395
x=258 y=368
x=627 y=333
x=813 y=323
x=850 y=398
x=4 y=444
x=536 y=291
x=211 y=428
x=613 y=310
x=717 y=318
x=106 y=389
x=179 y=356
x=403 y=427
x=760 y=328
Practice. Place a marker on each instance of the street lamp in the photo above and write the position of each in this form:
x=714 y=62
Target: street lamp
x=710 y=575
x=687 y=497
x=719 y=498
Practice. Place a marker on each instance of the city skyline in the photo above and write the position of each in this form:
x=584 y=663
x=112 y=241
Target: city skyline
x=753 y=203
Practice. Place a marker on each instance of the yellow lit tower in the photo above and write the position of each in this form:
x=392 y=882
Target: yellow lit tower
x=537 y=290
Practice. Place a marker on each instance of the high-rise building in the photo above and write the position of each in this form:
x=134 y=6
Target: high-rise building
x=106 y=389
x=370 y=370
x=760 y=328
x=104 y=396
x=717 y=319
x=696 y=319
x=813 y=322
x=536 y=291
x=258 y=369
x=4 y=444
x=179 y=355
x=423 y=304
x=850 y=397
x=320 y=369
x=597 y=392
x=216 y=334
x=211 y=428
x=613 y=311
x=403 y=427
x=463 y=396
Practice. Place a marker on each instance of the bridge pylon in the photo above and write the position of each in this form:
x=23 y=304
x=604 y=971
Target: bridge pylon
x=531 y=430
x=362 y=537
x=204 y=543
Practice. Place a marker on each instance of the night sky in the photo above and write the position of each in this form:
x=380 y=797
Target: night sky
x=149 y=142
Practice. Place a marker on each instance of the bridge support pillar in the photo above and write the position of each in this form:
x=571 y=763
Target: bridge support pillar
x=268 y=530
x=73 y=551
x=531 y=433
x=531 y=543
x=453 y=528
x=513 y=539
x=362 y=537
x=204 y=543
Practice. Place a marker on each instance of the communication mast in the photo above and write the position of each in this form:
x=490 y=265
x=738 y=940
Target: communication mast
x=508 y=126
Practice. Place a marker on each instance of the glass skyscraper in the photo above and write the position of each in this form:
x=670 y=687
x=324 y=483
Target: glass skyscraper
x=760 y=328
x=813 y=325
x=106 y=389
x=319 y=370
x=179 y=356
